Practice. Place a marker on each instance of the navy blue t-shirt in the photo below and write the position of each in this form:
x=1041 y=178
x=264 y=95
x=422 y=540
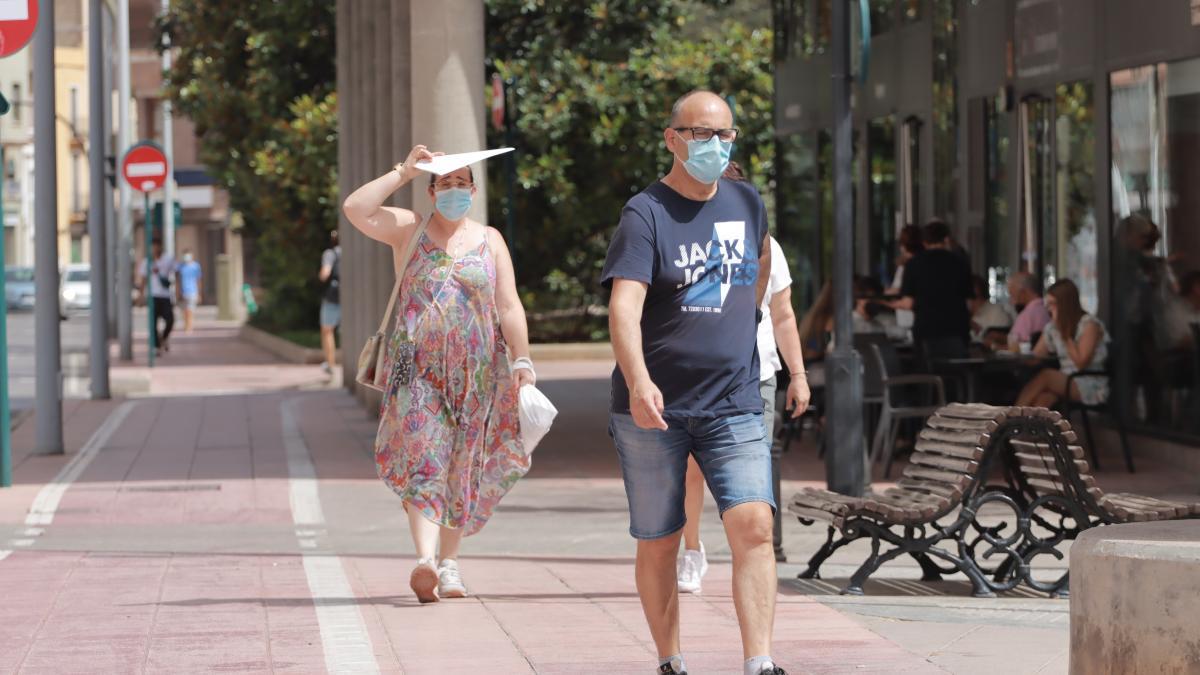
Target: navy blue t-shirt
x=699 y=326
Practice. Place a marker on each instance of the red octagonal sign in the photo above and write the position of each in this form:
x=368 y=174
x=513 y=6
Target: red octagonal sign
x=144 y=166
x=18 y=19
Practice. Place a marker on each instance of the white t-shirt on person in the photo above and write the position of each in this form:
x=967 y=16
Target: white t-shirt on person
x=164 y=267
x=781 y=278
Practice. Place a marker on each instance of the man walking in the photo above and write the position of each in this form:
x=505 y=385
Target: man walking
x=331 y=302
x=937 y=285
x=161 y=275
x=688 y=268
x=189 y=288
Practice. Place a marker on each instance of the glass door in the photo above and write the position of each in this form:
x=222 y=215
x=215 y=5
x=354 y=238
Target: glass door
x=1037 y=187
x=882 y=212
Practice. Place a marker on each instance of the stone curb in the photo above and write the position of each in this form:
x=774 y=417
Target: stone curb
x=284 y=349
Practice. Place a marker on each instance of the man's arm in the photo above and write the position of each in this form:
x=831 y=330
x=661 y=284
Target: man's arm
x=625 y=325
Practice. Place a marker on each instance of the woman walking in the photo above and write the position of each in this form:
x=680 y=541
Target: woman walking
x=449 y=433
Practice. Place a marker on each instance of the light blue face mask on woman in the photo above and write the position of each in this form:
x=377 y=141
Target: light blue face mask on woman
x=707 y=159
x=453 y=203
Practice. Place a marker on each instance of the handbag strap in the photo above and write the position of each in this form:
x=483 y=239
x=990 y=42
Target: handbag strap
x=408 y=252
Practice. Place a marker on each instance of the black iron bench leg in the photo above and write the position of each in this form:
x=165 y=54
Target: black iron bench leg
x=868 y=568
x=827 y=549
x=929 y=569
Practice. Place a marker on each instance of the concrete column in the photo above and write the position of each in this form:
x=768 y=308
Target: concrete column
x=408 y=73
x=447 y=53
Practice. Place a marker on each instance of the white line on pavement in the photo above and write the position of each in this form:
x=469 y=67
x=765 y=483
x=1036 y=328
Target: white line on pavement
x=45 y=504
x=344 y=634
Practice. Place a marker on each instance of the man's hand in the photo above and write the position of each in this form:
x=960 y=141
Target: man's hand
x=646 y=406
x=798 y=396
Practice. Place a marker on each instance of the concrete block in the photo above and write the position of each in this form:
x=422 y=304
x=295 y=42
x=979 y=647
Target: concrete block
x=1135 y=599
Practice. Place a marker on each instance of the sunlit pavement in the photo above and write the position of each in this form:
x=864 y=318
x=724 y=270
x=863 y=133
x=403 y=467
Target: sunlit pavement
x=243 y=530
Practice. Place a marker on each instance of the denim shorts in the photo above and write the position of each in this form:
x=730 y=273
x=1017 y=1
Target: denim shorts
x=733 y=453
x=331 y=314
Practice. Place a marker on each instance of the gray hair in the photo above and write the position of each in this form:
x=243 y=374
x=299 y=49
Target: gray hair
x=1026 y=280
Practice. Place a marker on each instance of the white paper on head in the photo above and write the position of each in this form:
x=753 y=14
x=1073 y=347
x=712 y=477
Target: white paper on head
x=444 y=164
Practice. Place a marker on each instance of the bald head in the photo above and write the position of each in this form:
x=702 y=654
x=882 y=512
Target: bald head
x=701 y=108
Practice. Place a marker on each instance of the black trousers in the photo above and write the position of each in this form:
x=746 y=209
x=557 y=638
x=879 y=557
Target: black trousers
x=164 y=310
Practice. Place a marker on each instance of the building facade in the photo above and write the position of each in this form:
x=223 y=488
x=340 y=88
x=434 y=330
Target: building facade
x=1037 y=127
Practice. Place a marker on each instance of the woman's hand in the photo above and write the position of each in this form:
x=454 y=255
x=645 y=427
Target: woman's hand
x=419 y=153
x=524 y=376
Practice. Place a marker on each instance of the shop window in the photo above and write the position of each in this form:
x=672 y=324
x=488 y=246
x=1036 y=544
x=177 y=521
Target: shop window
x=881 y=197
x=883 y=16
x=1155 y=256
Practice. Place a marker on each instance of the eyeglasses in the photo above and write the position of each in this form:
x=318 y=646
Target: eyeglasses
x=448 y=185
x=704 y=133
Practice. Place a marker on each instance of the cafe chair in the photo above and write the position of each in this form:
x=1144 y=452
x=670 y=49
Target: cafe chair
x=898 y=403
x=1107 y=408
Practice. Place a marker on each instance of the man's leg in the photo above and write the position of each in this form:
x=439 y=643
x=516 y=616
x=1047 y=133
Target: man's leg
x=327 y=344
x=736 y=458
x=657 y=588
x=654 y=464
x=749 y=529
x=167 y=310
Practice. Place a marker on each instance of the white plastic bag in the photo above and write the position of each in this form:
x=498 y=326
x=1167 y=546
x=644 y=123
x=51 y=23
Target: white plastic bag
x=537 y=414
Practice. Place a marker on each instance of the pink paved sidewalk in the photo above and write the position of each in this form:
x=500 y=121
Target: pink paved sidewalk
x=108 y=608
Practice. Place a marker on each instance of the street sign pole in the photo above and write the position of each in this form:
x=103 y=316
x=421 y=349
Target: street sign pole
x=845 y=462
x=5 y=420
x=16 y=33
x=48 y=356
x=145 y=168
x=150 y=336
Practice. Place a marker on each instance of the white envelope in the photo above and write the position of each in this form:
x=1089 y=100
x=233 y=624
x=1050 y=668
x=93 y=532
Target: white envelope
x=444 y=164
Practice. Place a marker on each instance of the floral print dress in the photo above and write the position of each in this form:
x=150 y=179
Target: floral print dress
x=449 y=441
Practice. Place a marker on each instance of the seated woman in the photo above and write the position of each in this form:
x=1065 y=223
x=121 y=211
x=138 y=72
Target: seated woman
x=1080 y=342
x=817 y=325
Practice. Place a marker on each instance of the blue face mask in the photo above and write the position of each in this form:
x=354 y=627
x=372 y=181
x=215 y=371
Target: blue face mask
x=707 y=159
x=453 y=203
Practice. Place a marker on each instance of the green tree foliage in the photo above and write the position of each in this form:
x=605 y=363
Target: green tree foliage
x=594 y=84
x=258 y=79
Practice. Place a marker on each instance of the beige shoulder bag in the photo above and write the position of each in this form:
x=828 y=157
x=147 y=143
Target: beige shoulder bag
x=371 y=372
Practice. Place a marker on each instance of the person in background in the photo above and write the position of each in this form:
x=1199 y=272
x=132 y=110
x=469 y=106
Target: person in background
x=1189 y=290
x=776 y=334
x=817 y=325
x=161 y=275
x=1032 y=316
x=868 y=303
x=911 y=245
x=331 y=301
x=985 y=315
x=1080 y=342
x=937 y=285
x=189 y=288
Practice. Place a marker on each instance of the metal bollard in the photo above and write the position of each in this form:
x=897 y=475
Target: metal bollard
x=224 y=289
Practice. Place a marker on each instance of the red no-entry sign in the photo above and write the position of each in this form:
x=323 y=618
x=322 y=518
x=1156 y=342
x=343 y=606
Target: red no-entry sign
x=18 y=19
x=144 y=166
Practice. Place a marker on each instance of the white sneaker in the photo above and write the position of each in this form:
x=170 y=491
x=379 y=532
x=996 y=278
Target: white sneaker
x=450 y=583
x=690 y=569
x=326 y=368
x=424 y=581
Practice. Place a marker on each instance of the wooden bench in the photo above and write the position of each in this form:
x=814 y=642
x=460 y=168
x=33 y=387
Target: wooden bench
x=1046 y=495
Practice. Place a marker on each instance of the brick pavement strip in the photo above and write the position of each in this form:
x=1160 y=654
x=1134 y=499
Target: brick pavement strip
x=114 y=610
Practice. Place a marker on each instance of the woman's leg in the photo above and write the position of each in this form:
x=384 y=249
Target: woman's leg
x=693 y=505
x=424 y=533
x=1046 y=389
x=451 y=539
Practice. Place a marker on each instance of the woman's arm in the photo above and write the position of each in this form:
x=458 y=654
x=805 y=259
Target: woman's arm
x=1081 y=352
x=787 y=337
x=365 y=210
x=508 y=304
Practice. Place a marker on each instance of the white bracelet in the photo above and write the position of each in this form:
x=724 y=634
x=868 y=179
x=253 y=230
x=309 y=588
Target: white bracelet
x=523 y=362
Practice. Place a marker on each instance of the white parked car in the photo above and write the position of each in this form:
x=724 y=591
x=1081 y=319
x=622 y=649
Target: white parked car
x=76 y=286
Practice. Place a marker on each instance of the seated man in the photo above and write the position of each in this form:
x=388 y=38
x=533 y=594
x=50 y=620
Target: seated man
x=1032 y=317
